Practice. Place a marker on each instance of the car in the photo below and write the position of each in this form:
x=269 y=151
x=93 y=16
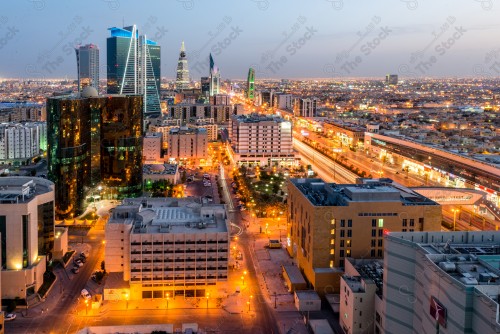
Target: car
x=75 y=270
x=78 y=263
x=10 y=316
x=82 y=254
x=83 y=259
x=85 y=294
x=206 y=175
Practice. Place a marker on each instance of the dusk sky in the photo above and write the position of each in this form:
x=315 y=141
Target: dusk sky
x=279 y=38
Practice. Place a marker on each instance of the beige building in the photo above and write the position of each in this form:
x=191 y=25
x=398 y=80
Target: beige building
x=261 y=140
x=330 y=222
x=348 y=134
x=168 y=246
x=151 y=147
x=359 y=286
x=27 y=233
x=187 y=143
x=208 y=125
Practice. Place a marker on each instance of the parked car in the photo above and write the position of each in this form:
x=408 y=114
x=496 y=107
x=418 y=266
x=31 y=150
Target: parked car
x=83 y=259
x=85 y=294
x=10 y=316
x=78 y=263
x=82 y=254
x=75 y=270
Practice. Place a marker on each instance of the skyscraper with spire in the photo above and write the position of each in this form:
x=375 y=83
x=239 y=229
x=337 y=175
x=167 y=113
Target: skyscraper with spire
x=214 y=78
x=182 y=78
x=134 y=66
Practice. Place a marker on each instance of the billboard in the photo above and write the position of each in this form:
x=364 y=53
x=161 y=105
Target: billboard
x=438 y=311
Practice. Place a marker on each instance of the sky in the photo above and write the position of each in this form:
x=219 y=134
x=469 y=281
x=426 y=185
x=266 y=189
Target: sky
x=279 y=38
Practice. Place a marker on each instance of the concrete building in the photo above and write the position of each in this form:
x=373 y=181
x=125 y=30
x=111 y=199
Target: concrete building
x=305 y=107
x=156 y=172
x=440 y=282
x=283 y=101
x=151 y=147
x=190 y=112
x=220 y=99
x=20 y=143
x=261 y=140
x=23 y=112
x=330 y=222
x=27 y=233
x=348 y=134
x=187 y=143
x=359 y=287
x=209 y=126
x=168 y=246
x=307 y=300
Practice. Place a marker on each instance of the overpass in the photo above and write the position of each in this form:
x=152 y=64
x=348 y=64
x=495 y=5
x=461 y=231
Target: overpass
x=451 y=196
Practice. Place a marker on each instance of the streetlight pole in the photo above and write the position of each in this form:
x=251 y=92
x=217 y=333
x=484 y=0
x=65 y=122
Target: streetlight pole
x=454 y=218
x=168 y=295
x=208 y=295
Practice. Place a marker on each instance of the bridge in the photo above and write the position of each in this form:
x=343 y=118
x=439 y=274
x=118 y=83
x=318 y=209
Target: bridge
x=451 y=196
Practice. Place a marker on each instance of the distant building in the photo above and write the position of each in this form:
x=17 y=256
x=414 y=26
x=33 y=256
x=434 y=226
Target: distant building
x=283 y=101
x=305 y=107
x=190 y=112
x=221 y=99
x=350 y=135
x=205 y=86
x=450 y=279
x=266 y=98
x=157 y=172
x=330 y=222
x=87 y=62
x=22 y=112
x=251 y=84
x=261 y=140
x=187 y=143
x=151 y=146
x=26 y=232
x=93 y=140
x=20 y=143
x=168 y=247
x=182 y=79
x=214 y=78
x=134 y=66
x=391 y=79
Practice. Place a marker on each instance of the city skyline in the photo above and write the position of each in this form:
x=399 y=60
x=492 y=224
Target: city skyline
x=333 y=39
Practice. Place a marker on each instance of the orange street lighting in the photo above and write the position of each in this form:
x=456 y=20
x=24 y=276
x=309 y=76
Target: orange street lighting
x=208 y=295
x=454 y=217
x=168 y=295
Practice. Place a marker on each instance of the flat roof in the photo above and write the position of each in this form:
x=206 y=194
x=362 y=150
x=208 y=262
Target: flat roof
x=22 y=189
x=294 y=275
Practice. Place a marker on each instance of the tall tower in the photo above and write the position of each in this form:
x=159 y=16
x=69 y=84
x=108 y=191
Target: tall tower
x=134 y=66
x=251 y=84
x=182 y=79
x=87 y=62
x=214 y=78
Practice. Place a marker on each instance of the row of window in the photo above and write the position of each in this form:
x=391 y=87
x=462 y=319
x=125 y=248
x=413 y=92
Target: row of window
x=135 y=279
x=177 y=260
x=377 y=214
x=172 y=251
x=138 y=243
x=136 y=270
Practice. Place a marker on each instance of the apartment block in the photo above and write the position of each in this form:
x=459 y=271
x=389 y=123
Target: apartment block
x=187 y=143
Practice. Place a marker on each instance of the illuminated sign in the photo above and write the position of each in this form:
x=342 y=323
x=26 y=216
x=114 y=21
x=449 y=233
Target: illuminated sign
x=438 y=311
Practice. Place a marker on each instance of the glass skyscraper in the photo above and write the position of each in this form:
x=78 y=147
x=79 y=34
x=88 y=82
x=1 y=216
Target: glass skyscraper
x=251 y=84
x=134 y=66
x=214 y=78
x=87 y=61
x=182 y=78
x=94 y=140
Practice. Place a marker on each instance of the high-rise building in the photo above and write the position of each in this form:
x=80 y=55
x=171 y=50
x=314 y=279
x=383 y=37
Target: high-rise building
x=182 y=78
x=251 y=84
x=305 y=107
x=26 y=232
x=188 y=143
x=283 y=101
x=214 y=78
x=440 y=282
x=205 y=86
x=134 y=66
x=330 y=222
x=87 y=62
x=20 y=143
x=391 y=79
x=94 y=140
x=166 y=247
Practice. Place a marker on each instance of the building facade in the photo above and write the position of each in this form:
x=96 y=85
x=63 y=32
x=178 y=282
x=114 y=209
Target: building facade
x=187 y=144
x=94 y=140
x=283 y=101
x=182 y=79
x=151 y=147
x=168 y=246
x=450 y=279
x=348 y=134
x=262 y=140
x=26 y=232
x=20 y=143
x=305 y=107
x=87 y=62
x=330 y=222
x=251 y=84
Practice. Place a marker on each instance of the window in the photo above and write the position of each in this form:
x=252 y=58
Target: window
x=342 y=233
x=342 y=223
x=403 y=230
x=420 y=220
x=348 y=243
x=341 y=243
x=360 y=300
x=332 y=241
x=341 y=253
x=374 y=233
x=341 y=263
x=349 y=223
x=374 y=222
x=373 y=242
x=333 y=222
x=380 y=242
x=348 y=252
x=349 y=233
x=412 y=230
x=379 y=253
x=332 y=251
x=380 y=233
x=412 y=222
x=381 y=222
x=378 y=318
x=332 y=231
x=405 y=222
x=372 y=253
x=360 y=314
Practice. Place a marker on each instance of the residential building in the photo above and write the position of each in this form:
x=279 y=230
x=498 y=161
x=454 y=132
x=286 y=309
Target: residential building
x=283 y=101
x=182 y=79
x=391 y=79
x=348 y=134
x=151 y=147
x=221 y=99
x=187 y=143
x=134 y=66
x=330 y=222
x=93 y=140
x=168 y=246
x=305 y=107
x=446 y=282
x=20 y=143
x=26 y=232
x=87 y=62
x=22 y=112
x=157 y=172
x=261 y=140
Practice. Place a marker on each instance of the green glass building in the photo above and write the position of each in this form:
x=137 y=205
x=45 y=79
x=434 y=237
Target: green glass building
x=251 y=84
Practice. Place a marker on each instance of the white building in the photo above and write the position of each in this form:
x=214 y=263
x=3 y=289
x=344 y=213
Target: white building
x=19 y=143
x=174 y=246
x=187 y=143
x=440 y=282
x=305 y=107
x=27 y=232
x=151 y=147
x=283 y=101
x=262 y=140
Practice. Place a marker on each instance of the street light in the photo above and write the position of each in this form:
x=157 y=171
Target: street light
x=126 y=298
x=168 y=296
x=86 y=307
x=208 y=295
x=243 y=280
x=454 y=217
x=248 y=302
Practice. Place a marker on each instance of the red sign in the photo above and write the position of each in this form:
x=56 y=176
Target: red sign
x=438 y=312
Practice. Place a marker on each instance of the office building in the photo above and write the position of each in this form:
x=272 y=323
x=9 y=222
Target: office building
x=187 y=144
x=283 y=101
x=214 y=78
x=330 y=222
x=205 y=86
x=349 y=135
x=134 y=66
x=391 y=79
x=261 y=140
x=27 y=233
x=93 y=140
x=174 y=246
x=265 y=98
x=440 y=282
x=251 y=84
x=190 y=112
x=87 y=62
x=305 y=107
x=151 y=147
x=20 y=143
x=182 y=79
x=221 y=99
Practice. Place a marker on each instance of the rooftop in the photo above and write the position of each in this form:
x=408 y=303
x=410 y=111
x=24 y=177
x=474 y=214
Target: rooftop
x=159 y=169
x=20 y=189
